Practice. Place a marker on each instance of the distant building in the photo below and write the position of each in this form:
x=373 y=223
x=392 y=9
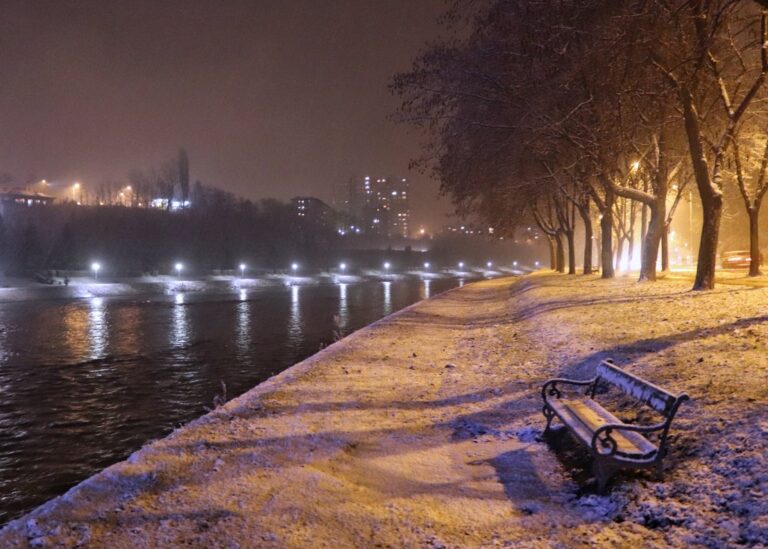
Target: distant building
x=381 y=205
x=313 y=211
x=22 y=197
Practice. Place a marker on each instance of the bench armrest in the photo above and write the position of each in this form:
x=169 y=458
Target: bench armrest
x=604 y=444
x=550 y=387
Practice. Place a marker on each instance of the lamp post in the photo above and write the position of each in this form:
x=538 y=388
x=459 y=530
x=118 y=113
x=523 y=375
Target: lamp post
x=242 y=269
x=387 y=265
x=179 y=267
x=95 y=266
x=342 y=267
x=489 y=264
x=426 y=265
x=294 y=267
x=461 y=264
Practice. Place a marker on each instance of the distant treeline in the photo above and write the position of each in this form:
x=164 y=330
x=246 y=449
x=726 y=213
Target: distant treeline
x=218 y=232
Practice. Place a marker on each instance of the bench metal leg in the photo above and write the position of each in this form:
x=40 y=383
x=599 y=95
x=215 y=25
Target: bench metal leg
x=549 y=414
x=603 y=473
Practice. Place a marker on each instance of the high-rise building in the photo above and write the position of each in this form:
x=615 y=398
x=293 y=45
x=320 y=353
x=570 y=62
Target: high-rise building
x=313 y=211
x=380 y=204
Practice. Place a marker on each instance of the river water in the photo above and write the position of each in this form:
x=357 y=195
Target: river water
x=85 y=382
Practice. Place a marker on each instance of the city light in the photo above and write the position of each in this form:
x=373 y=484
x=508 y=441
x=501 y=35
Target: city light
x=489 y=264
x=514 y=263
x=386 y=265
x=294 y=267
x=426 y=265
x=95 y=266
x=461 y=264
x=179 y=267
x=536 y=263
x=242 y=269
x=343 y=266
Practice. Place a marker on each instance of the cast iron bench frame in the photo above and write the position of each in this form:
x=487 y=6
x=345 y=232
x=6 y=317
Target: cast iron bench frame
x=607 y=457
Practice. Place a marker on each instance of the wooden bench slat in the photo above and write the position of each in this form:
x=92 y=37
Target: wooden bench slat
x=589 y=416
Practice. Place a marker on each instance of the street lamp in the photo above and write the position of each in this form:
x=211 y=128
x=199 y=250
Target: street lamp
x=536 y=263
x=95 y=266
x=343 y=266
x=426 y=265
x=179 y=267
x=242 y=269
x=461 y=264
x=294 y=267
x=489 y=264
x=514 y=263
x=387 y=265
x=75 y=191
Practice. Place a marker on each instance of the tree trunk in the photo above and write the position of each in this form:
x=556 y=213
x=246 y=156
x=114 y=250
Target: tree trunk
x=665 y=249
x=754 y=241
x=650 y=248
x=560 y=263
x=712 y=209
x=606 y=237
x=571 y=253
x=586 y=219
x=711 y=198
x=552 y=254
x=619 y=252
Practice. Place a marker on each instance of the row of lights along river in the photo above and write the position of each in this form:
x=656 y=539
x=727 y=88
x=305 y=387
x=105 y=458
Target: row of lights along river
x=295 y=267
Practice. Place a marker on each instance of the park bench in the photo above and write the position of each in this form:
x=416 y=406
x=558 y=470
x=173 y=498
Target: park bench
x=613 y=444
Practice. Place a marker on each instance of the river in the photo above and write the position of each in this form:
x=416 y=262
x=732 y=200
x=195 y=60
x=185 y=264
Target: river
x=84 y=382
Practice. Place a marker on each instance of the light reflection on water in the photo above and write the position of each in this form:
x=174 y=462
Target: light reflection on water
x=97 y=327
x=294 y=320
x=387 y=297
x=180 y=333
x=85 y=382
x=424 y=289
x=343 y=307
x=243 y=325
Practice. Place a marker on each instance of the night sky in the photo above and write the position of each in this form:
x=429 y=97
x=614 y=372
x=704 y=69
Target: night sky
x=270 y=98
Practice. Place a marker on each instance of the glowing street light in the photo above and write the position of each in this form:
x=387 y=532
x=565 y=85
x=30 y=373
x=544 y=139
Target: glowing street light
x=461 y=264
x=426 y=265
x=387 y=265
x=95 y=267
x=489 y=264
x=536 y=263
x=75 y=191
x=294 y=267
x=179 y=267
x=242 y=269
x=343 y=266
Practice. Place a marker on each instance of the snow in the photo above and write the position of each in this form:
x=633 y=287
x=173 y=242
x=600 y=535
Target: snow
x=424 y=430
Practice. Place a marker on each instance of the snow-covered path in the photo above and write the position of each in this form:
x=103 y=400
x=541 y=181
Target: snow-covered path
x=419 y=431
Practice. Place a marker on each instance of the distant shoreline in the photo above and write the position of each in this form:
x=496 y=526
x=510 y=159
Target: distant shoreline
x=85 y=287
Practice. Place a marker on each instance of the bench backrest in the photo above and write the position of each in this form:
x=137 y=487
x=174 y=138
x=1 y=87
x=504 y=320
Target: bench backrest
x=648 y=393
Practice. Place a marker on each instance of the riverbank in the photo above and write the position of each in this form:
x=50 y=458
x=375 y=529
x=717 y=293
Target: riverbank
x=420 y=430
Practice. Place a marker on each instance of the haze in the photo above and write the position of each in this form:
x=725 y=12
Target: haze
x=270 y=98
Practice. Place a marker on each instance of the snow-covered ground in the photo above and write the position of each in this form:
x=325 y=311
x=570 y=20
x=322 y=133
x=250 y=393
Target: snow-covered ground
x=422 y=431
